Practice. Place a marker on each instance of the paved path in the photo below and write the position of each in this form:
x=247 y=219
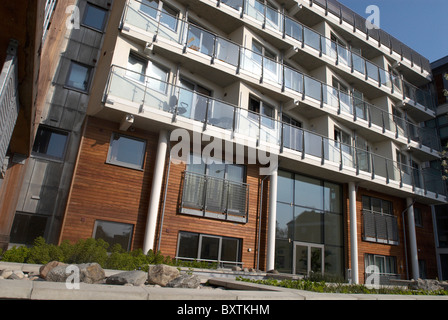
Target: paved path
x=235 y=290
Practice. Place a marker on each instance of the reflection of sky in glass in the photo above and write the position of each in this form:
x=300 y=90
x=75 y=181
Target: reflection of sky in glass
x=128 y=151
x=78 y=77
x=95 y=17
x=309 y=193
x=111 y=229
x=56 y=145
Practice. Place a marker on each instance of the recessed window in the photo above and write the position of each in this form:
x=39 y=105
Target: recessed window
x=78 y=76
x=114 y=233
x=126 y=151
x=195 y=246
x=160 y=11
x=418 y=217
x=155 y=76
x=27 y=227
x=94 y=17
x=50 y=143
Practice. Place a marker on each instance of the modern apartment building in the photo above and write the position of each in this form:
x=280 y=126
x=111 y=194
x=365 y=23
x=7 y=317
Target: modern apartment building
x=24 y=24
x=440 y=69
x=270 y=135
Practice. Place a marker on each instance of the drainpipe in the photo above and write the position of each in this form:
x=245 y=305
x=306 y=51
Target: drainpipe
x=260 y=212
x=353 y=232
x=272 y=219
x=156 y=189
x=164 y=199
x=405 y=241
x=412 y=239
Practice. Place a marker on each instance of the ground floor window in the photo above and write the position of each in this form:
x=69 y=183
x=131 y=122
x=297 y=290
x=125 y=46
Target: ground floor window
x=210 y=248
x=384 y=266
x=27 y=227
x=309 y=232
x=114 y=233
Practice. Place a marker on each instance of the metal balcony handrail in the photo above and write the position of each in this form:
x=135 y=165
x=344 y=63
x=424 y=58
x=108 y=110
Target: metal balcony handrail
x=276 y=128
x=281 y=69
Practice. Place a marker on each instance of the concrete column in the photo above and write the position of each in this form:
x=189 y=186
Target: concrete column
x=156 y=189
x=353 y=232
x=412 y=239
x=272 y=220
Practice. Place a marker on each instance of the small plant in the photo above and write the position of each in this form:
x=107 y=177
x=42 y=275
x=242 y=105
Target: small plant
x=322 y=286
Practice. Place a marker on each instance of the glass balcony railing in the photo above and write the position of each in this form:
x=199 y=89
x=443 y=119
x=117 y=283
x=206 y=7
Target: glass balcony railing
x=148 y=94
x=275 y=20
x=264 y=69
x=214 y=197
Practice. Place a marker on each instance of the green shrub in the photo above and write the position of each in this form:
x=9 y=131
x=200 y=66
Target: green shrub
x=92 y=250
x=16 y=254
x=42 y=253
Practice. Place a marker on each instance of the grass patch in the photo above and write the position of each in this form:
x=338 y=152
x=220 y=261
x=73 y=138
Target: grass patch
x=323 y=287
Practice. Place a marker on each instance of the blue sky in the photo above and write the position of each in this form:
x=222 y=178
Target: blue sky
x=420 y=24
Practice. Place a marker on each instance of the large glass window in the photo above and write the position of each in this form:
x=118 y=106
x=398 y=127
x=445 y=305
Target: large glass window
x=27 y=227
x=50 y=143
x=212 y=248
x=126 y=151
x=78 y=76
x=163 y=13
x=384 y=266
x=114 y=233
x=155 y=76
x=95 y=17
x=217 y=189
x=379 y=223
x=309 y=211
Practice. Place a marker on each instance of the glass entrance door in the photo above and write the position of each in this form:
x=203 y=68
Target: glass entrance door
x=308 y=258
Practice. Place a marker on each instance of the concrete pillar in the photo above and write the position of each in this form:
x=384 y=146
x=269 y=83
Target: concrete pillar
x=272 y=220
x=412 y=239
x=353 y=232
x=156 y=189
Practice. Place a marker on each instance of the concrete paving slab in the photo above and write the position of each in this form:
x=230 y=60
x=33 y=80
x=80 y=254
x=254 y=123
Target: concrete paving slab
x=15 y=289
x=43 y=290
x=156 y=293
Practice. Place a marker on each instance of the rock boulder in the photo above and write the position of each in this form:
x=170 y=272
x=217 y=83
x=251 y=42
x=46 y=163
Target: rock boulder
x=161 y=274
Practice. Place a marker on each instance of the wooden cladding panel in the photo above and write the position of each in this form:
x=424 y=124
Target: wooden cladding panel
x=102 y=191
x=174 y=222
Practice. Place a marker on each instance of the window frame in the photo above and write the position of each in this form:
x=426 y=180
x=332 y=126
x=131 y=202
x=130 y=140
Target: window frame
x=89 y=77
x=41 y=155
x=219 y=253
x=383 y=213
x=95 y=227
x=84 y=24
x=110 y=161
x=162 y=8
x=148 y=72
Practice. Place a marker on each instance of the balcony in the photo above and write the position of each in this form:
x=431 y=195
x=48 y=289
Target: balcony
x=379 y=227
x=175 y=106
x=350 y=62
x=9 y=101
x=216 y=198
x=345 y=59
x=356 y=24
x=239 y=61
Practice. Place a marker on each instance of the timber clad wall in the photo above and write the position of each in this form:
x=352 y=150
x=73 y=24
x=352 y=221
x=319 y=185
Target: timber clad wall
x=102 y=191
x=248 y=232
x=425 y=238
x=426 y=242
x=108 y=192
